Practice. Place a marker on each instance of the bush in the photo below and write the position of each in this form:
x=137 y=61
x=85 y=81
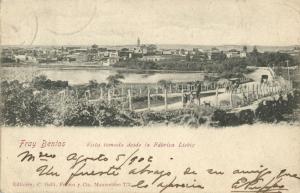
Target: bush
x=145 y=98
x=21 y=107
x=264 y=112
x=273 y=111
x=225 y=119
x=149 y=117
x=219 y=116
x=97 y=115
x=41 y=82
x=246 y=117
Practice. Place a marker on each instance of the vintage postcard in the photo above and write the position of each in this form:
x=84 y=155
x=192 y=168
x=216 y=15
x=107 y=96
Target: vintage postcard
x=150 y=96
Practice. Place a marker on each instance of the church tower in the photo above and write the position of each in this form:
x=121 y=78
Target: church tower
x=138 y=42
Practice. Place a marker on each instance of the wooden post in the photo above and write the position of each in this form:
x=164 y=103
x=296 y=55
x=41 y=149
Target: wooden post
x=217 y=99
x=131 y=88
x=123 y=99
x=109 y=96
x=166 y=100
x=244 y=93
x=248 y=93
x=87 y=94
x=76 y=93
x=101 y=93
x=182 y=96
x=253 y=92
x=257 y=94
x=170 y=88
x=129 y=99
x=149 y=104
x=140 y=91
x=231 y=98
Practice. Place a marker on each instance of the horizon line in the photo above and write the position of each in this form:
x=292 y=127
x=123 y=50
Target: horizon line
x=162 y=44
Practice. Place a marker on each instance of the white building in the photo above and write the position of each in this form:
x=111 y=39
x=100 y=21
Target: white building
x=166 y=52
x=109 y=61
x=236 y=54
x=25 y=58
x=153 y=58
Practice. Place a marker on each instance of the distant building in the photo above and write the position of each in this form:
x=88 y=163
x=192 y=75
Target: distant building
x=136 y=50
x=113 y=53
x=243 y=54
x=109 y=61
x=78 y=57
x=293 y=52
x=154 y=58
x=151 y=49
x=233 y=53
x=158 y=52
x=166 y=52
x=215 y=54
x=25 y=58
x=7 y=55
x=125 y=54
x=196 y=50
x=144 y=49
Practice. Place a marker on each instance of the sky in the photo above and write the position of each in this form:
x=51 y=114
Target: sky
x=121 y=22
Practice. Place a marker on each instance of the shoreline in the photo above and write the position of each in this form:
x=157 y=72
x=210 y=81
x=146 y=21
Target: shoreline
x=97 y=67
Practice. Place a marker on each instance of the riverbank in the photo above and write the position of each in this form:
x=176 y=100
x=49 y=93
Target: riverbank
x=83 y=75
x=95 y=66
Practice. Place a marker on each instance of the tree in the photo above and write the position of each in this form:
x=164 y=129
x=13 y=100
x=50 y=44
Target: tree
x=114 y=80
x=93 y=84
x=255 y=51
x=151 y=49
x=22 y=106
x=164 y=83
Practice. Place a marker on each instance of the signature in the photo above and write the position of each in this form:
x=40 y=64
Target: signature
x=261 y=181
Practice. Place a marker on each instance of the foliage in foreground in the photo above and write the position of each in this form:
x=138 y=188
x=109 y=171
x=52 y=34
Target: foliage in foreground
x=33 y=104
x=24 y=105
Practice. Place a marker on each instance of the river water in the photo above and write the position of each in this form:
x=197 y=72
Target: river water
x=82 y=76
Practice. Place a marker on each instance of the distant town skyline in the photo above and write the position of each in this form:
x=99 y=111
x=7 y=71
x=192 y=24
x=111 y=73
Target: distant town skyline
x=161 y=22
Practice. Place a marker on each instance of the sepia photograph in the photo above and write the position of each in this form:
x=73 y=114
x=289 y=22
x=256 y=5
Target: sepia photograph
x=150 y=96
x=148 y=65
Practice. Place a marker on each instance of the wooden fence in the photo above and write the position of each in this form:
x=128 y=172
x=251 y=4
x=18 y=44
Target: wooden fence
x=182 y=92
